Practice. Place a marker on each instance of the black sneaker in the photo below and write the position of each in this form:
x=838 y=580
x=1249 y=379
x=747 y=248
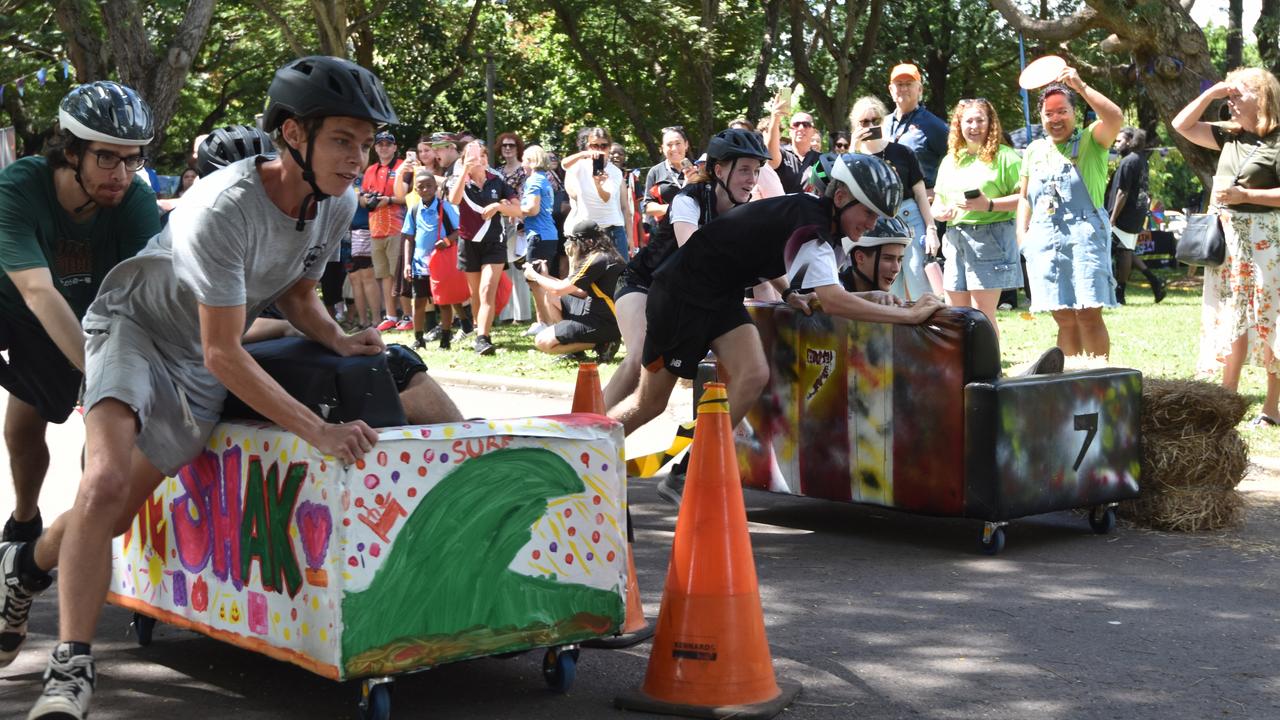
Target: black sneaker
x=15 y=601
x=1157 y=289
x=68 y=686
x=419 y=343
x=484 y=346
x=27 y=531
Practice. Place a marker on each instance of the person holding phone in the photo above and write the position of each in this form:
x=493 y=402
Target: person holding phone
x=675 y=148
x=593 y=184
x=919 y=275
x=977 y=196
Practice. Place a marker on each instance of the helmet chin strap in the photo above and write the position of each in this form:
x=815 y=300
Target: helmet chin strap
x=715 y=180
x=83 y=189
x=872 y=283
x=316 y=195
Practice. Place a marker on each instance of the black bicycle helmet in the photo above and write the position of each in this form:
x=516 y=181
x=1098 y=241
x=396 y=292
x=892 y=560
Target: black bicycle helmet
x=321 y=86
x=107 y=112
x=231 y=144
x=870 y=180
x=736 y=143
x=888 y=231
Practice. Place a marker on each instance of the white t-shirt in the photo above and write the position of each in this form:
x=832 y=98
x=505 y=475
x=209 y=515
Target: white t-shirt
x=588 y=205
x=819 y=263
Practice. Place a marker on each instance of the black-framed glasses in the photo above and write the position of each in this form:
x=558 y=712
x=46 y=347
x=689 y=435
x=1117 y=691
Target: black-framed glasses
x=599 y=146
x=974 y=101
x=842 y=145
x=108 y=160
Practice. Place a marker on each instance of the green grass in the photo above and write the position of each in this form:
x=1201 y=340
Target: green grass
x=1160 y=340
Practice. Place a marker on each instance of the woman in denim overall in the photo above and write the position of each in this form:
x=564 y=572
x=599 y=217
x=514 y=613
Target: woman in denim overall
x=1063 y=234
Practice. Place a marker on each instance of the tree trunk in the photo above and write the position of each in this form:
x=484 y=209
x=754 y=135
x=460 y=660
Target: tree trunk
x=704 y=72
x=850 y=54
x=1267 y=30
x=1165 y=45
x=85 y=49
x=1235 y=35
x=759 y=85
x=331 y=26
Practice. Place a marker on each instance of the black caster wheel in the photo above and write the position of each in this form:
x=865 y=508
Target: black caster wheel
x=1102 y=519
x=375 y=701
x=992 y=541
x=559 y=668
x=143 y=627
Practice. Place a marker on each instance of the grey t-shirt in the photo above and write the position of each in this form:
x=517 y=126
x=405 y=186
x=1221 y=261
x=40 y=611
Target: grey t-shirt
x=225 y=245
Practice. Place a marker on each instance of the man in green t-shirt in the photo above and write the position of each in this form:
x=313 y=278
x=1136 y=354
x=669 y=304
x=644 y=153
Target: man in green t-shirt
x=66 y=219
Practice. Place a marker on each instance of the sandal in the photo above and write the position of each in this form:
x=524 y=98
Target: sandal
x=1264 y=420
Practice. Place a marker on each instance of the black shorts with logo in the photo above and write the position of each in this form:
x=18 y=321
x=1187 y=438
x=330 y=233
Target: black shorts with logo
x=679 y=333
x=473 y=256
x=37 y=372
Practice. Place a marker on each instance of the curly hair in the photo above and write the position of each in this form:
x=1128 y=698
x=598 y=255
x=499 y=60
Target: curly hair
x=957 y=146
x=514 y=138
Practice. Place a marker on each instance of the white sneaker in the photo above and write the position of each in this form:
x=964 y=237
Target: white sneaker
x=68 y=686
x=1004 y=306
x=15 y=603
x=534 y=329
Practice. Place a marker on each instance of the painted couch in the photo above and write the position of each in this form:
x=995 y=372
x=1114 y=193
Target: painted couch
x=445 y=542
x=918 y=418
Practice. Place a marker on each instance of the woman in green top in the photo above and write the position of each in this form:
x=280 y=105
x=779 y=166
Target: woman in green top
x=976 y=195
x=1063 y=230
x=1242 y=295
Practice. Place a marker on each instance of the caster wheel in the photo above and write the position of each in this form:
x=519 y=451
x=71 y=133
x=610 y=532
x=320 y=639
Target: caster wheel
x=993 y=542
x=559 y=668
x=1102 y=520
x=143 y=627
x=375 y=702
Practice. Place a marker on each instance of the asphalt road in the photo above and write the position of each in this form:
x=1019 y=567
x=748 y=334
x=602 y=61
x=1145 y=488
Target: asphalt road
x=877 y=613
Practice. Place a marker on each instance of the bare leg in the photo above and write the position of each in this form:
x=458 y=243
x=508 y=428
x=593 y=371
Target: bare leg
x=1271 y=406
x=490 y=276
x=647 y=402
x=425 y=402
x=1093 y=332
x=1069 y=341
x=116 y=480
x=28 y=456
x=1234 y=363
x=742 y=356
x=631 y=321
x=986 y=301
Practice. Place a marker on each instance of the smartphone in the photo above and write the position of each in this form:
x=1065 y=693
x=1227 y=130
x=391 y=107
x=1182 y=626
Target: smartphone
x=411 y=156
x=971 y=194
x=875 y=133
x=597 y=164
x=784 y=96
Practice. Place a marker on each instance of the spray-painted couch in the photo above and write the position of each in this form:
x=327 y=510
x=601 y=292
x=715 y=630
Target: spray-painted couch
x=919 y=418
x=445 y=542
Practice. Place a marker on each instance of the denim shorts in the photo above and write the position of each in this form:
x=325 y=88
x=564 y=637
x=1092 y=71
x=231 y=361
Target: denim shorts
x=982 y=257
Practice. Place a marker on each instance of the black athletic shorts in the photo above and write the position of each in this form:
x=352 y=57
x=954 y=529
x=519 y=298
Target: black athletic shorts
x=403 y=364
x=632 y=281
x=37 y=372
x=421 y=288
x=331 y=283
x=679 y=334
x=544 y=249
x=399 y=286
x=475 y=255
x=360 y=262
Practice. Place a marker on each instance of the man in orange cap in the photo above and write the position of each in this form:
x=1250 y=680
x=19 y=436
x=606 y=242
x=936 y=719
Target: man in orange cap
x=913 y=125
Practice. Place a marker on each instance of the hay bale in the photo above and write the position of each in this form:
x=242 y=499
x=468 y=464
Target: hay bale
x=1185 y=509
x=1189 y=405
x=1194 y=460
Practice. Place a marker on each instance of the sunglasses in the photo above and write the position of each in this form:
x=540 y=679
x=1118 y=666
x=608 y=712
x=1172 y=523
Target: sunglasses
x=975 y=101
x=842 y=146
x=801 y=124
x=673 y=128
x=508 y=145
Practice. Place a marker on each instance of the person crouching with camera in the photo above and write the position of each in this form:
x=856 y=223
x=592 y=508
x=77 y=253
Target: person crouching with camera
x=580 y=307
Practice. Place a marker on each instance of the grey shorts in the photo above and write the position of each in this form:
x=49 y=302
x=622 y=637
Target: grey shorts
x=123 y=363
x=982 y=257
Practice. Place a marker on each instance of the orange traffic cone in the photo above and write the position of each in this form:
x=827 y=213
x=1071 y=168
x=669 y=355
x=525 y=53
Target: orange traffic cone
x=587 y=397
x=710 y=656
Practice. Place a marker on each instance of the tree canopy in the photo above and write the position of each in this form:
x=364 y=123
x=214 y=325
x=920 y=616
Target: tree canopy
x=631 y=67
